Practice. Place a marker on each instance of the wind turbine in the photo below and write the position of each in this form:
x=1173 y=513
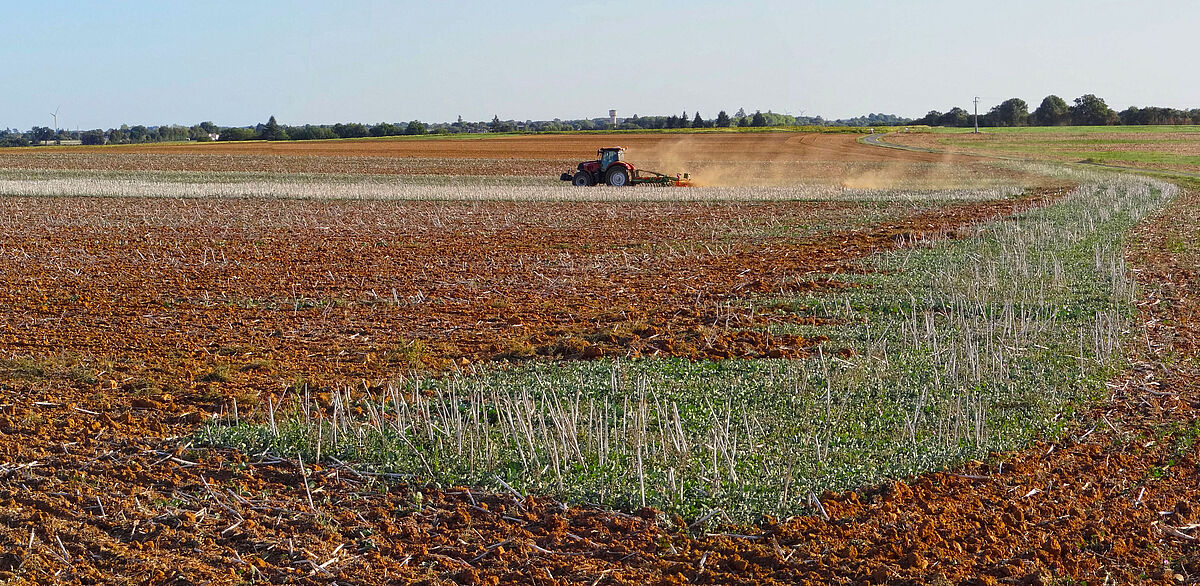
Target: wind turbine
x=55 y=115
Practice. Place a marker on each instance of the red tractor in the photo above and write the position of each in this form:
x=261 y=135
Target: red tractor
x=612 y=169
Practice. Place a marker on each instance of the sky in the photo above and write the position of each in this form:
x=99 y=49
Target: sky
x=238 y=62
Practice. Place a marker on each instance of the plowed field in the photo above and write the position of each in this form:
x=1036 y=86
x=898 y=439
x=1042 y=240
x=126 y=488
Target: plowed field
x=770 y=158
x=124 y=323
x=312 y=288
x=771 y=146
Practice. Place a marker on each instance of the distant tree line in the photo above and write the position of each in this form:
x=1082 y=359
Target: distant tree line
x=206 y=131
x=1087 y=110
x=272 y=130
x=757 y=120
x=124 y=135
x=275 y=131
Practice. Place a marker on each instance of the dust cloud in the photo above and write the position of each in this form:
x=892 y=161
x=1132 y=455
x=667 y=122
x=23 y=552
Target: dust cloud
x=750 y=163
x=778 y=159
x=909 y=176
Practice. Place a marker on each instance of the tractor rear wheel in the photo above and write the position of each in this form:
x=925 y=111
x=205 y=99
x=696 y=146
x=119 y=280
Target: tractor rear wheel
x=618 y=176
x=583 y=179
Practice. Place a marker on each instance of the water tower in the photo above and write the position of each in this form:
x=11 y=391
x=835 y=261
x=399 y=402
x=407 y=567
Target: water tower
x=612 y=117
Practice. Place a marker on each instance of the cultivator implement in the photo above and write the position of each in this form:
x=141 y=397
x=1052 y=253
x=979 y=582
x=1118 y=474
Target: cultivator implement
x=644 y=177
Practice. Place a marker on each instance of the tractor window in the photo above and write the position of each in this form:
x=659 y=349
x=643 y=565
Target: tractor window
x=609 y=158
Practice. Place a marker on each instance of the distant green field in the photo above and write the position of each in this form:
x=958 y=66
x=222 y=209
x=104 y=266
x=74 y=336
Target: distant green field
x=1156 y=148
x=1069 y=129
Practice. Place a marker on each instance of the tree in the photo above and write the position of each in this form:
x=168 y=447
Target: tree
x=208 y=127
x=722 y=119
x=931 y=118
x=310 y=132
x=1052 y=112
x=42 y=134
x=272 y=131
x=415 y=127
x=138 y=133
x=496 y=125
x=776 y=119
x=1134 y=115
x=351 y=130
x=198 y=134
x=743 y=121
x=955 y=117
x=92 y=137
x=12 y=138
x=1156 y=115
x=741 y=113
x=759 y=120
x=230 y=134
x=384 y=129
x=168 y=132
x=699 y=122
x=1090 y=110
x=1010 y=112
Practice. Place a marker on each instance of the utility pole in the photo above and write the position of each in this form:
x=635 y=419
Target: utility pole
x=976 y=114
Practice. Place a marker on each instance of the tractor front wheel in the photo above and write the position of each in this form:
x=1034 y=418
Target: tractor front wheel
x=583 y=179
x=618 y=176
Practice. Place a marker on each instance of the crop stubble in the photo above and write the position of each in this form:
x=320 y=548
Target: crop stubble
x=723 y=159
x=126 y=502
x=369 y=289
x=1160 y=149
x=94 y=487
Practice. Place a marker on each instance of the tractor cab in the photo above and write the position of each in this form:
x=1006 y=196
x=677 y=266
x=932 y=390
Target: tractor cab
x=610 y=155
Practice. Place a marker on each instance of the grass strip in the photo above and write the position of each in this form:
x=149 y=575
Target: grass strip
x=949 y=350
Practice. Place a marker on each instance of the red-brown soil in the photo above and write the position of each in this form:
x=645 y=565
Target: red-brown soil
x=94 y=488
x=743 y=147
x=713 y=158
x=129 y=321
x=282 y=289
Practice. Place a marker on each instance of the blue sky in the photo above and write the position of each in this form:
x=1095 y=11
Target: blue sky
x=238 y=62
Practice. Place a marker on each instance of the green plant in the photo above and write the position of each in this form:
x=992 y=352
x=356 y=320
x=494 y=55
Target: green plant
x=961 y=347
x=218 y=374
